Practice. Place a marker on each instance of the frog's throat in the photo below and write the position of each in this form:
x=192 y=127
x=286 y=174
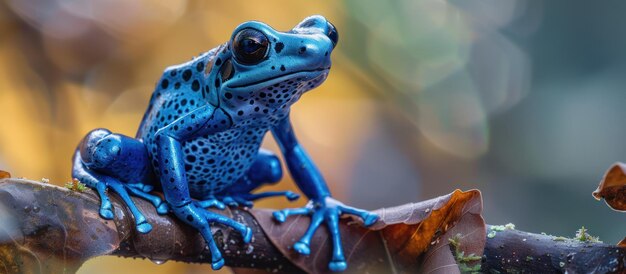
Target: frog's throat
x=280 y=78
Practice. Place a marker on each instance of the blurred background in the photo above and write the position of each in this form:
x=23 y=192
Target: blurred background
x=523 y=100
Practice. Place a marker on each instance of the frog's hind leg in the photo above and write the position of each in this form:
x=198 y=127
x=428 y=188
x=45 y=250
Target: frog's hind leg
x=103 y=182
x=84 y=176
x=103 y=160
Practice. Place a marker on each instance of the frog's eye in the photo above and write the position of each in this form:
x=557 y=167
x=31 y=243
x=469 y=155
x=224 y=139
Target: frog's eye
x=250 y=46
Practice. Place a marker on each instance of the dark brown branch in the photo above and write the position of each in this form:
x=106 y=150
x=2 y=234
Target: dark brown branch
x=47 y=229
x=514 y=251
x=54 y=229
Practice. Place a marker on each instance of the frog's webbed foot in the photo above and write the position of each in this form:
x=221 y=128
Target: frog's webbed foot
x=201 y=219
x=103 y=183
x=326 y=210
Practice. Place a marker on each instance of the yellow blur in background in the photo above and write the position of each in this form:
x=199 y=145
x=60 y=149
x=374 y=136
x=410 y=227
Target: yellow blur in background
x=68 y=67
x=423 y=97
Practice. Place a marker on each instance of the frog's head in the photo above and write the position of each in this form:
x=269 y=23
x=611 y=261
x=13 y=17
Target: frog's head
x=262 y=71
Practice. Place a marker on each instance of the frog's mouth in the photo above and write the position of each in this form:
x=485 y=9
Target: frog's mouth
x=309 y=74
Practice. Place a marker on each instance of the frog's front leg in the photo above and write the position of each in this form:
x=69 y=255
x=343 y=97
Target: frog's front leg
x=322 y=207
x=266 y=169
x=202 y=121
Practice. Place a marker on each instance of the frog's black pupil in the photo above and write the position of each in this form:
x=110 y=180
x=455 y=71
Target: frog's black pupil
x=250 y=46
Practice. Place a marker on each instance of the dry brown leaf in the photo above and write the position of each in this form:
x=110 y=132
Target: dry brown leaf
x=471 y=233
x=613 y=187
x=406 y=239
x=4 y=174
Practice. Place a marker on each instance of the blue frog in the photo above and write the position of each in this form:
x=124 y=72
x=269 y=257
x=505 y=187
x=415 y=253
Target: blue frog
x=201 y=135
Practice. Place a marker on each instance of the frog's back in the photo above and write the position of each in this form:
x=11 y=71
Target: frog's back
x=181 y=89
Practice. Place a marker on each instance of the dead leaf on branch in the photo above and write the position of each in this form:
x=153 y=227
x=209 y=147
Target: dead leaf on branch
x=4 y=174
x=612 y=189
x=408 y=238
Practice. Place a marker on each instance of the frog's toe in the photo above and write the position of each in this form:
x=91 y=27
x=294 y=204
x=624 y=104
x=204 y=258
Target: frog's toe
x=106 y=208
x=141 y=186
x=244 y=230
x=302 y=248
x=144 y=227
x=279 y=216
x=217 y=264
x=292 y=196
x=370 y=219
x=107 y=213
x=247 y=236
x=209 y=203
x=242 y=201
x=230 y=201
x=163 y=208
x=337 y=265
x=147 y=188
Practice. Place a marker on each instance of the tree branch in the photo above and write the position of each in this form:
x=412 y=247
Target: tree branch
x=48 y=229
x=514 y=251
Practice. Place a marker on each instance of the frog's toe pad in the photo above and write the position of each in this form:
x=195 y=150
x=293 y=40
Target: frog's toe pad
x=292 y=196
x=162 y=209
x=247 y=237
x=230 y=202
x=247 y=204
x=107 y=213
x=279 y=216
x=302 y=248
x=337 y=266
x=370 y=219
x=217 y=264
x=144 y=227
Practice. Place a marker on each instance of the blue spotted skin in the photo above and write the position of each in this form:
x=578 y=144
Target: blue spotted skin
x=201 y=136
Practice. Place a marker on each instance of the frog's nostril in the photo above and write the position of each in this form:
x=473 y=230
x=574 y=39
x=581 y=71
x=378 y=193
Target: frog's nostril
x=318 y=24
x=332 y=33
x=308 y=23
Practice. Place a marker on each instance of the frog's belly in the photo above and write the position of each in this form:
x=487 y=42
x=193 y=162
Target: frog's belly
x=213 y=164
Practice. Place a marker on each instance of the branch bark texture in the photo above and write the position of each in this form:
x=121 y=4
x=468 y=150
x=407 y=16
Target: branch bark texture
x=48 y=229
